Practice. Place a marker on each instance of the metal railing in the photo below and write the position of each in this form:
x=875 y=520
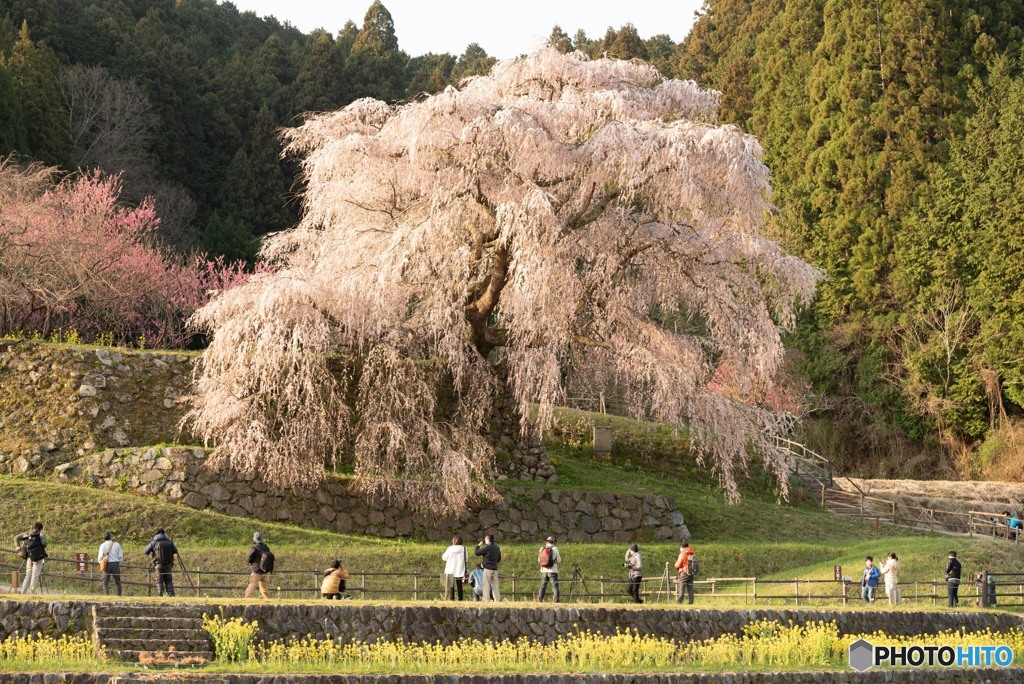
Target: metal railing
x=61 y=576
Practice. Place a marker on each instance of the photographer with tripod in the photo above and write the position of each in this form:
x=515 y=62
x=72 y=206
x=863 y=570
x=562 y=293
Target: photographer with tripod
x=163 y=551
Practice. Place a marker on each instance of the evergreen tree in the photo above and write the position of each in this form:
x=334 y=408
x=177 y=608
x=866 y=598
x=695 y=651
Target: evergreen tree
x=560 y=40
x=13 y=136
x=375 y=66
x=429 y=73
x=473 y=62
x=33 y=72
x=270 y=211
x=319 y=85
x=229 y=238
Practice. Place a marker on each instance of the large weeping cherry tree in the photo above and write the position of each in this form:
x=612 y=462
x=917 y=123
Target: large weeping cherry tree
x=559 y=216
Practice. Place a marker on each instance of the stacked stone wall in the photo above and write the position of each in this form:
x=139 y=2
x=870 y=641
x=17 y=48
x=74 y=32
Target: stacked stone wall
x=447 y=623
x=179 y=475
x=60 y=402
x=57 y=403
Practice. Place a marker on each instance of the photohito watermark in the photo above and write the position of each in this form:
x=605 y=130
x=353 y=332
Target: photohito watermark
x=865 y=655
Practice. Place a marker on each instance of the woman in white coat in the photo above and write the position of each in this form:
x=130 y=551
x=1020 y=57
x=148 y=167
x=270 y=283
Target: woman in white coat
x=455 y=557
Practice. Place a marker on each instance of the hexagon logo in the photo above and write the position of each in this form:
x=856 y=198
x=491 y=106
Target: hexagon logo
x=862 y=655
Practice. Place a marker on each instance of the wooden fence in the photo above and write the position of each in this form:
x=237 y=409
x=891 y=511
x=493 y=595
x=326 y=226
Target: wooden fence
x=62 y=576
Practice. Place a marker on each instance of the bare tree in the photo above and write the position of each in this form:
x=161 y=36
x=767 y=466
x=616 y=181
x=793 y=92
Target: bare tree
x=112 y=125
x=483 y=236
x=110 y=120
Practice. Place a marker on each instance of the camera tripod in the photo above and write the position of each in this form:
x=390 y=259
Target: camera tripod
x=578 y=589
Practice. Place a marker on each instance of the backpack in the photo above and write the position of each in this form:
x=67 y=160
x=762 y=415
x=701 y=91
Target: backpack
x=546 y=557
x=165 y=553
x=33 y=548
x=267 y=561
x=694 y=564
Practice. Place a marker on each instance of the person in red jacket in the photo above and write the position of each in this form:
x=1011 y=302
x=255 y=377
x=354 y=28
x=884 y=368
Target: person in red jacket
x=684 y=580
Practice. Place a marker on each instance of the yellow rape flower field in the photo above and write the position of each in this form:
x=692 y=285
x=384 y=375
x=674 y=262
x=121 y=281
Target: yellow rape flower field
x=763 y=645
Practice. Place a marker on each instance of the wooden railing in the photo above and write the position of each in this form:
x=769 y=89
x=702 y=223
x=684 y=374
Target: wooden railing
x=806 y=460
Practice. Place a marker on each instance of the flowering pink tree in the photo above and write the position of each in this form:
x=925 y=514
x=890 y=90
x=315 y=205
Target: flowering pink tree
x=72 y=258
x=485 y=235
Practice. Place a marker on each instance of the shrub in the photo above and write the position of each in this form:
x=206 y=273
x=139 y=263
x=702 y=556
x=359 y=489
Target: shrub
x=232 y=639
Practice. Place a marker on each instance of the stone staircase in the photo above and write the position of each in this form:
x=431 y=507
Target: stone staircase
x=154 y=633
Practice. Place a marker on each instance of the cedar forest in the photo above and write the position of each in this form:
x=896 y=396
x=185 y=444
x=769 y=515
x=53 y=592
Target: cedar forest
x=892 y=130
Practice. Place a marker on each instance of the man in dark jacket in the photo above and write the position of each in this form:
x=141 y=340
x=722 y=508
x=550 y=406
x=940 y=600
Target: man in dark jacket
x=32 y=547
x=953 y=569
x=163 y=551
x=262 y=564
x=492 y=556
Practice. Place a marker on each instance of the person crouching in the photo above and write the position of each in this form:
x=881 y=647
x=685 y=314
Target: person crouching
x=333 y=585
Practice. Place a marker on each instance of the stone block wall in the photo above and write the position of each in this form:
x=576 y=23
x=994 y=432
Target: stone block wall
x=447 y=623
x=51 y=618
x=58 y=402
x=179 y=475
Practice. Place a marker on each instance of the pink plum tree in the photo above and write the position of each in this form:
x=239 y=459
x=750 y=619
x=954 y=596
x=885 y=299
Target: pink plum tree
x=72 y=258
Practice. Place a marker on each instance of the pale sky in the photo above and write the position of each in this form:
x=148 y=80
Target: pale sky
x=504 y=29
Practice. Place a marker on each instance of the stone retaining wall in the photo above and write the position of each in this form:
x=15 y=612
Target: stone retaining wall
x=954 y=676
x=179 y=475
x=57 y=402
x=52 y=618
x=447 y=623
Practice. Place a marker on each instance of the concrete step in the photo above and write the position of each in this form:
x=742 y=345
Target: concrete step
x=151 y=610
x=173 y=656
x=103 y=633
x=140 y=643
x=149 y=623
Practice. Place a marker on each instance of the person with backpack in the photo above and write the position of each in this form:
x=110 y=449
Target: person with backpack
x=163 y=551
x=549 y=558
x=333 y=584
x=110 y=556
x=262 y=561
x=32 y=548
x=491 y=557
x=634 y=565
x=687 y=566
x=456 y=559
x=953 y=570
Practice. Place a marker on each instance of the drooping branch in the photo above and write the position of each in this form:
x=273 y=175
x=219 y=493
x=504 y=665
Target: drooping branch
x=560 y=213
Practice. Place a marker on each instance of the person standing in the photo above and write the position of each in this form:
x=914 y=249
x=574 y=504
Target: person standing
x=456 y=558
x=869 y=580
x=634 y=564
x=491 y=557
x=890 y=570
x=163 y=551
x=684 y=577
x=110 y=551
x=953 y=569
x=262 y=562
x=32 y=547
x=549 y=558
